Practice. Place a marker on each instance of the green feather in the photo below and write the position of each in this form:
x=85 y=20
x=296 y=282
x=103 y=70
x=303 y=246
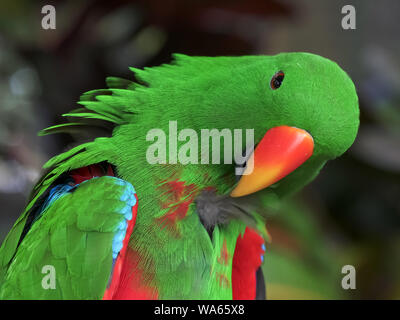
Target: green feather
x=60 y=128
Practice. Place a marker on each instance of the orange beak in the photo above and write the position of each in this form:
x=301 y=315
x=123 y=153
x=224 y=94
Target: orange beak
x=281 y=151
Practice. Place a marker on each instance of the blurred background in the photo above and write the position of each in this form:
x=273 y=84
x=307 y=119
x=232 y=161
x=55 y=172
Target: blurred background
x=350 y=215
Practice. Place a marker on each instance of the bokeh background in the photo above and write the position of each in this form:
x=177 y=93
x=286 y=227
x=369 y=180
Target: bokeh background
x=349 y=215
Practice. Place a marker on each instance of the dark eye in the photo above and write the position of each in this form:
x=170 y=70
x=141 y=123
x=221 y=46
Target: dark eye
x=276 y=80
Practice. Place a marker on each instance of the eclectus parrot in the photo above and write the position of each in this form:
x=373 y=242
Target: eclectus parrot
x=110 y=225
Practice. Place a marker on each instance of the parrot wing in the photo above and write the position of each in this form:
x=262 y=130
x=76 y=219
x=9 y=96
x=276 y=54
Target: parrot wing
x=73 y=242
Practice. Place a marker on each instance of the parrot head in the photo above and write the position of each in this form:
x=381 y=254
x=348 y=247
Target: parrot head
x=302 y=107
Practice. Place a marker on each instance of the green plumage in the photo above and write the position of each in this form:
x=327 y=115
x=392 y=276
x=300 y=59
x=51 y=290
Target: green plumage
x=77 y=243
x=75 y=233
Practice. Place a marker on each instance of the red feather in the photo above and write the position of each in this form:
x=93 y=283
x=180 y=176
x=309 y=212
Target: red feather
x=246 y=261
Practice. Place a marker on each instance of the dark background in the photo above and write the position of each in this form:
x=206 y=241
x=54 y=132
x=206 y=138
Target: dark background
x=349 y=215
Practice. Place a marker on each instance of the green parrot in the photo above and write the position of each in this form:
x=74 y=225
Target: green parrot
x=105 y=223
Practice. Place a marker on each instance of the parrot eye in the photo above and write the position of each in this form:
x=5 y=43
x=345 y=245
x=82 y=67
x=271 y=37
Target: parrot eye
x=276 y=80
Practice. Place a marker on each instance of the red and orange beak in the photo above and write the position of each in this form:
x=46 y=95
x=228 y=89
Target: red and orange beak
x=281 y=151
